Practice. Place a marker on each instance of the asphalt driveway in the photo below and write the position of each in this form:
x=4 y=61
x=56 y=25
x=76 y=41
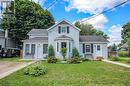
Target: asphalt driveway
x=6 y=68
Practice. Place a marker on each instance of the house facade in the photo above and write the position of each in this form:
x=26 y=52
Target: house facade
x=63 y=35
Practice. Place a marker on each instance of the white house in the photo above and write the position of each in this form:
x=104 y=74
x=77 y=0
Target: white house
x=63 y=34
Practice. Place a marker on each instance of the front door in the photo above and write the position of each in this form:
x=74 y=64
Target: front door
x=63 y=45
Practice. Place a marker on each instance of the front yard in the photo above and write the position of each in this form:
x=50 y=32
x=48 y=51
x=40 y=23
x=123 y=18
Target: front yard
x=91 y=73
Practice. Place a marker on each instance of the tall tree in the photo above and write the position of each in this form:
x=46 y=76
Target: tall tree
x=88 y=29
x=125 y=31
x=28 y=15
x=128 y=42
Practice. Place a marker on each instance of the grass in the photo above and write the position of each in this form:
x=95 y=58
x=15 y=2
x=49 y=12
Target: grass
x=91 y=73
x=13 y=59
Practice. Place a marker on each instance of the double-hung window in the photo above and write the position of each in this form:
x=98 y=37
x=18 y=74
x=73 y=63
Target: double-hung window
x=88 y=49
x=27 y=47
x=45 y=48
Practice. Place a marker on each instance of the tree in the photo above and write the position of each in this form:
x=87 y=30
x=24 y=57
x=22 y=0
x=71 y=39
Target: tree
x=125 y=31
x=114 y=47
x=28 y=15
x=88 y=29
x=51 y=51
x=63 y=52
x=128 y=42
x=75 y=52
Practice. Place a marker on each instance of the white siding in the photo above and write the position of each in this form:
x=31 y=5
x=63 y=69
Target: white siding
x=73 y=33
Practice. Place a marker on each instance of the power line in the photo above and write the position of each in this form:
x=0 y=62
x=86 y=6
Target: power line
x=106 y=10
x=53 y=3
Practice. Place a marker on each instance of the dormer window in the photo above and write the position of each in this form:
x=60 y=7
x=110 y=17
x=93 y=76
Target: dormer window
x=63 y=29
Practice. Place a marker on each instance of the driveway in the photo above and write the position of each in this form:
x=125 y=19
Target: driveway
x=6 y=68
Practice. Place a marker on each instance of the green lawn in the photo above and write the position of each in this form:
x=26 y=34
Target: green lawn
x=92 y=73
x=13 y=59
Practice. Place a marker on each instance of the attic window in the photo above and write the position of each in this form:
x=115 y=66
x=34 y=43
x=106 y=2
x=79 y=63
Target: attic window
x=63 y=30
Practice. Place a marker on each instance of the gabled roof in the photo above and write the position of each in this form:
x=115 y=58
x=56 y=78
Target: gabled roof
x=43 y=39
x=38 y=31
x=92 y=39
x=63 y=21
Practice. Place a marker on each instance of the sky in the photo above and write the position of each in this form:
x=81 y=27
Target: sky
x=80 y=10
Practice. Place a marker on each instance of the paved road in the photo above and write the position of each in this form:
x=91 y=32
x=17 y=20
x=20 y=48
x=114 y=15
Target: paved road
x=6 y=68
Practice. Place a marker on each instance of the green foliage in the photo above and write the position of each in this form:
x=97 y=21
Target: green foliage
x=128 y=61
x=51 y=51
x=123 y=53
x=125 y=32
x=74 y=60
x=85 y=59
x=114 y=58
x=75 y=52
x=52 y=59
x=28 y=15
x=88 y=29
x=35 y=70
x=63 y=51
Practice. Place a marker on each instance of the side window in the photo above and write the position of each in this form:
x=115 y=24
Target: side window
x=33 y=49
x=88 y=49
x=45 y=46
x=98 y=47
x=27 y=47
x=57 y=47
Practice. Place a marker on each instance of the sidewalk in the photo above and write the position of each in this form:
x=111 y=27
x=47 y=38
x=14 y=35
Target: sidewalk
x=11 y=67
x=117 y=63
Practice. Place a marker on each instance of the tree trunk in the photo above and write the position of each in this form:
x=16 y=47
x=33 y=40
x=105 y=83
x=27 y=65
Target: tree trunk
x=129 y=53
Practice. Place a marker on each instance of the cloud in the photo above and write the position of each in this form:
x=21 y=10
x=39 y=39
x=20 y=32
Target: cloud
x=98 y=22
x=115 y=34
x=91 y=6
x=40 y=2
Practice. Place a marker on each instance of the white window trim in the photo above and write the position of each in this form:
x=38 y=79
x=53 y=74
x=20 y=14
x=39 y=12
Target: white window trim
x=90 y=49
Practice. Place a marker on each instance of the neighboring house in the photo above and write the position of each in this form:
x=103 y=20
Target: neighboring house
x=9 y=42
x=124 y=47
x=63 y=34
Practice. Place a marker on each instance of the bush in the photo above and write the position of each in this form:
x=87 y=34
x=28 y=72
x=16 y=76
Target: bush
x=35 y=70
x=84 y=59
x=128 y=61
x=75 y=52
x=74 y=60
x=63 y=52
x=123 y=53
x=114 y=58
x=52 y=59
x=51 y=51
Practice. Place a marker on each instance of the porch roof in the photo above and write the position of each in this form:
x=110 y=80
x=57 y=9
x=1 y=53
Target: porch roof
x=64 y=37
x=39 y=39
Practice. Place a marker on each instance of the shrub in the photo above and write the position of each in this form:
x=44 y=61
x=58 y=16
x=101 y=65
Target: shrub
x=99 y=58
x=63 y=52
x=35 y=70
x=123 y=53
x=114 y=58
x=74 y=60
x=85 y=59
x=52 y=59
x=128 y=61
x=51 y=51
x=75 y=52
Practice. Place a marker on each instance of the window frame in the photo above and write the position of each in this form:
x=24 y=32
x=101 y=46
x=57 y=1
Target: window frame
x=27 y=50
x=98 y=47
x=45 y=52
x=89 y=48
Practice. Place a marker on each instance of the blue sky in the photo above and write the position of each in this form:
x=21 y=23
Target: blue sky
x=111 y=22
